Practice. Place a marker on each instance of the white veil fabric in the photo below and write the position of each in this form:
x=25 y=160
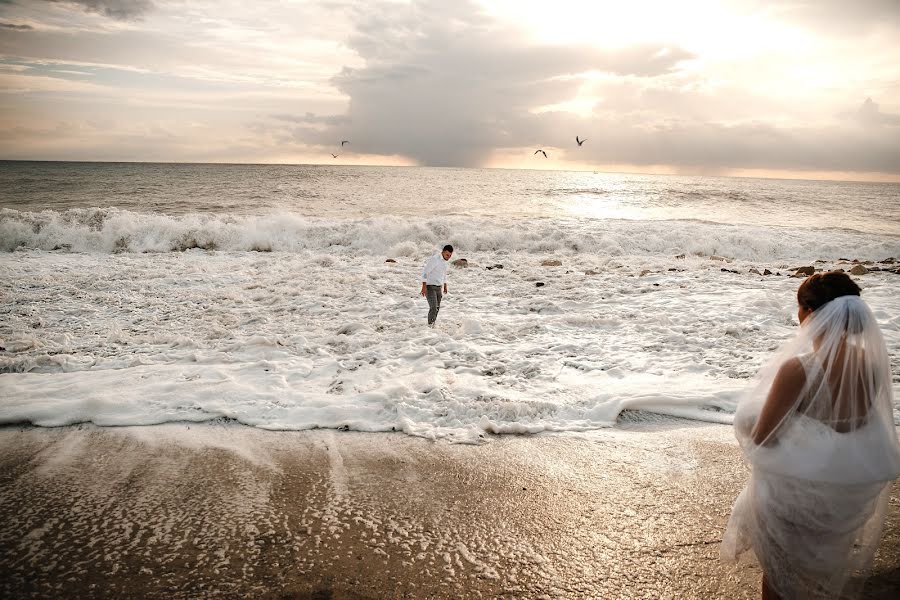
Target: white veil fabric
x=818 y=433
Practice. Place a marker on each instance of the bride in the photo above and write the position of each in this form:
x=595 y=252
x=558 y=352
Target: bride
x=818 y=432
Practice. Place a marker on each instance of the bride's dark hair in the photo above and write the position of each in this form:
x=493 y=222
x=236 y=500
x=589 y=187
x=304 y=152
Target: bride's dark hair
x=820 y=289
x=818 y=430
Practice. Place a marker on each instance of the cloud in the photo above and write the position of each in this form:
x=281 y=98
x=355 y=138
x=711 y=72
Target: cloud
x=447 y=85
x=443 y=83
x=19 y=83
x=869 y=114
x=710 y=146
x=454 y=84
x=649 y=135
x=313 y=119
x=838 y=16
x=16 y=27
x=123 y=10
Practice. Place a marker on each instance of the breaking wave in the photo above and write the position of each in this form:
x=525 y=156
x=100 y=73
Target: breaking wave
x=110 y=230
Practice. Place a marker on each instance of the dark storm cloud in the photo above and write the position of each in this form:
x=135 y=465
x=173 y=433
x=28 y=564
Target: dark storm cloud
x=122 y=10
x=445 y=84
x=16 y=27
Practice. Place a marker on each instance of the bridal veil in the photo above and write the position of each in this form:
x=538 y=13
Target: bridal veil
x=813 y=509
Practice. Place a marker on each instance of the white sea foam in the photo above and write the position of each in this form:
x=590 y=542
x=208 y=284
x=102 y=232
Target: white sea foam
x=335 y=337
x=261 y=293
x=111 y=230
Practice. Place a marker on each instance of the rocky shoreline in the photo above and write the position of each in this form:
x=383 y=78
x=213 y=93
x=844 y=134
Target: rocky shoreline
x=853 y=266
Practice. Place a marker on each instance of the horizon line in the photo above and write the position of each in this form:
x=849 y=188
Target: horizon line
x=569 y=170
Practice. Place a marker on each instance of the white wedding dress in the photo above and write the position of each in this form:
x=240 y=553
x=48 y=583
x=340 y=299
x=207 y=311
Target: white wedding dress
x=814 y=507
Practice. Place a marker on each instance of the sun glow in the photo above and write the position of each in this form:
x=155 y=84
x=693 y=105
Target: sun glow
x=608 y=24
x=724 y=42
x=698 y=86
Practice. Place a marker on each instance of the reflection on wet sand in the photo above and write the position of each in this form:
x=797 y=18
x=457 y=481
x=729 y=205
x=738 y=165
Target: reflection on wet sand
x=219 y=509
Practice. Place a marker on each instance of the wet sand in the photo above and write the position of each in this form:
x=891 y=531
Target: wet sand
x=222 y=510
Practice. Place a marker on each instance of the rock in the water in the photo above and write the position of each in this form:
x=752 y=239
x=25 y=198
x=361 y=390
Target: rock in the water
x=494 y=267
x=391 y=260
x=755 y=271
x=717 y=257
x=551 y=262
x=724 y=270
x=540 y=284
x=680 y=255
x=767 y=272
x=644 y=272
x=591 y=272
x=804 y=271
x=858 y=270
x=889 y=261
x=460 y=262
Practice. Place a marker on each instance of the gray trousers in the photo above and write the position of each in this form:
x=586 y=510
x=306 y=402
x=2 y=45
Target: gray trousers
x=434 y=295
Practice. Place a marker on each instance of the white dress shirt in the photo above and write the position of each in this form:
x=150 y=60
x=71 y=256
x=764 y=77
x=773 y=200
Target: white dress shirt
x=435 y=270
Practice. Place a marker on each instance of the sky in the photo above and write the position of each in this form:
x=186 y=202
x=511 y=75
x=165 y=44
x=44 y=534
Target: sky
x=795 y=88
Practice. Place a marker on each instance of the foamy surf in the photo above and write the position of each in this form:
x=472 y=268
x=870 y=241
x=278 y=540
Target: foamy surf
x=337 y=339
x=133 y=294
x=460 y=409
x=111 y=230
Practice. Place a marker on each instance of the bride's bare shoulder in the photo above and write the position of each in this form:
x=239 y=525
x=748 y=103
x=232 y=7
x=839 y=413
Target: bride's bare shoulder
x=792 y=369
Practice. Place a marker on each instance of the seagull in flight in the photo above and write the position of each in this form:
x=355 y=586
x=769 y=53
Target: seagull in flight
x=334 y=155
x=542 y=152
x=344 y=142
x=580 y=142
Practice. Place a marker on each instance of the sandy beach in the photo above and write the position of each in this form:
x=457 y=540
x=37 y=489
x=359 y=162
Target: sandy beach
x=223 y=510
x=223 y=373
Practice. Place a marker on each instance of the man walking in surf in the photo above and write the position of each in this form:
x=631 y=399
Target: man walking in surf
x=434 y=277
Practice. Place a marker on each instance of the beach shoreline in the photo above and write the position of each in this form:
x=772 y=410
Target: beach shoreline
x=223 y=510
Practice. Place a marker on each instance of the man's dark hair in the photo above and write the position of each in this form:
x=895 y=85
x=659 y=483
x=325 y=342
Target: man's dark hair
x=448 y=248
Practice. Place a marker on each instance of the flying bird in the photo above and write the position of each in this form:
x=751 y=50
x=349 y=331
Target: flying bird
x=334 y=155
x=542 y=152
x=580 y=142
x=344 y=142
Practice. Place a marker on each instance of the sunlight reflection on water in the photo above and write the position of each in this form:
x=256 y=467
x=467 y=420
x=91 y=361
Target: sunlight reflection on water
x=360 y=192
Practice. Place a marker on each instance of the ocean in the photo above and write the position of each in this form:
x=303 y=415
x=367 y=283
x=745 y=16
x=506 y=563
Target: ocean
x=138 y=294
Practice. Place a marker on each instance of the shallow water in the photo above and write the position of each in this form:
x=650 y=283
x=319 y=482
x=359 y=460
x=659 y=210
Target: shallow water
x=188 y=302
